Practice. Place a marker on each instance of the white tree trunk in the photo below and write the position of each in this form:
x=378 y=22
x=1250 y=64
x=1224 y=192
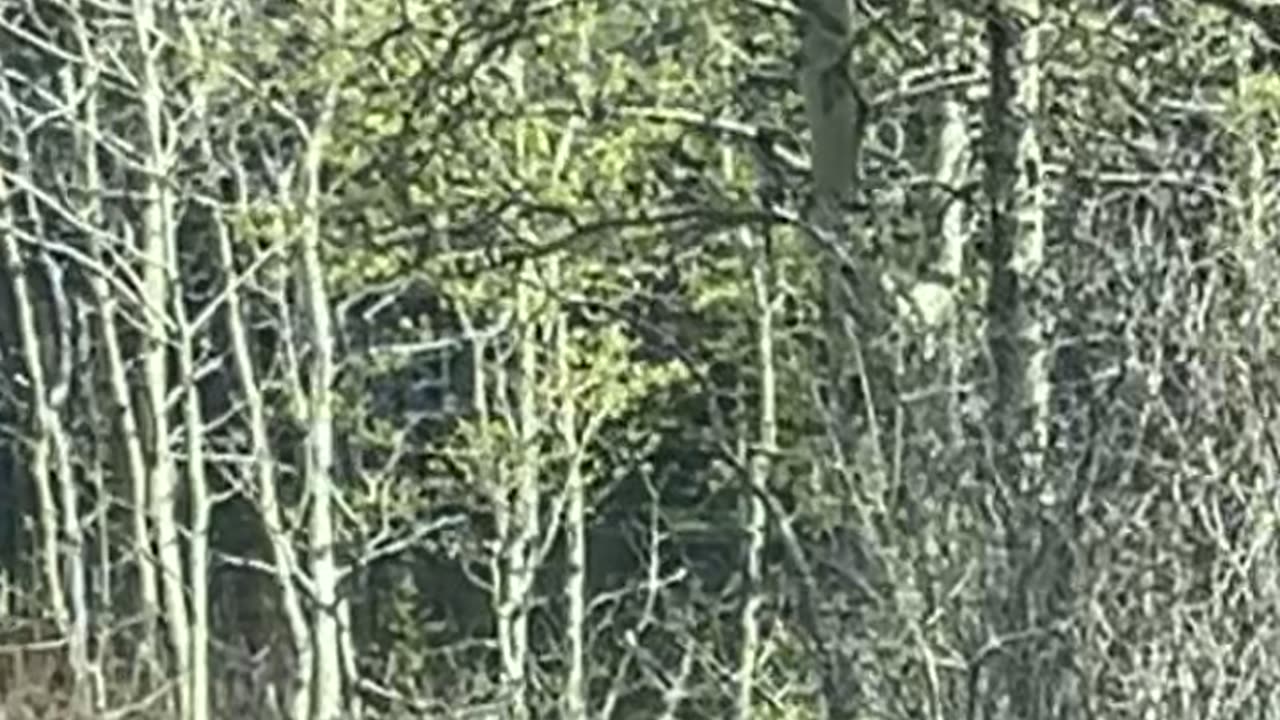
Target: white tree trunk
x=328 y=690
x=573 y=440
x=951 y=151
x=198 y=551
x=198 y=492
x=319 y=474
x=754 y=522
x=1257 y=206
x=575 y=525
x=193 y=424
x=72 y=551
x=123 y=416
x=518 y=502
x=157 y=241
x=522 y=511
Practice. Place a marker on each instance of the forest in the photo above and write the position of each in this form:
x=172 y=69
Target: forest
x=639 y=359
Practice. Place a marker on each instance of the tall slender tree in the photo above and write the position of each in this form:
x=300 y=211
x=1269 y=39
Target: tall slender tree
x=1017 y=328
x=314 y=297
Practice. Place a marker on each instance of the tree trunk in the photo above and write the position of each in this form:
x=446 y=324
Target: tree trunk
x=760 y=457
x=518 y=503
x=158 y=264
x=198 y=491
x=851 y=293
x=951 y=151
x=76 y=625
x=328 y=691
x=193 y=423
x=1016 y=334
x=574 y=440
x=123 y=416
x=41 y=418
x=522 y=512
x=575 y=525
x=319 y=460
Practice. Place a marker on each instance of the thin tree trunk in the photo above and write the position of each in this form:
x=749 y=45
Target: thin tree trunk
x=40 y=445
x=198 y=490
x=518 y=504
x=328 y=691
x=945 y=352
x=1256 y=207
x=575 y=524
x=198 y=551
x=755 y=521
x=157 y=230
x=124 y=418
x=1016 y=330
x=283 y=558
x=77 y=627
x=491 y=473
x=756 y=518
x=193 y=423
x=576 y=687
x=523 y=518
x=62 y=558
x=951 y=155
x=951 y=151
x=319 y=460
x=835 y=117
x=74 y=571
x=1017 y=237
x=348 y=648
x=103 y=586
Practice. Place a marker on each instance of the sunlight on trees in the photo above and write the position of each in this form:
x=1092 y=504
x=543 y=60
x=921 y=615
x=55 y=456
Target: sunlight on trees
x=742 y=358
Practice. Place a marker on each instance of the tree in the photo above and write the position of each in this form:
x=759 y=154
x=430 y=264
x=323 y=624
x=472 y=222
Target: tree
x=423 y=358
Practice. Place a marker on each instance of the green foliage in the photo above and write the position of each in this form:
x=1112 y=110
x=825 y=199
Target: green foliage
x=503 y=170
x=1254 y=110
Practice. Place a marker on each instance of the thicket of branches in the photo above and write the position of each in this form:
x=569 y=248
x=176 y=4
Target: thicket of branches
x=548 y=358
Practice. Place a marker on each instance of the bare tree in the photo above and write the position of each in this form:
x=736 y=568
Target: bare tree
x=318 y=468
x=51 y=346
x=43 y=423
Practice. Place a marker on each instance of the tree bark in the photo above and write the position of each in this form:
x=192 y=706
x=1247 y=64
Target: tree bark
x=1016 y=334
x=72 y=546
x=518 y=503
x=193 y=424
x=852 y=301
x=40 y=444
x=575 y=526
x=123 y=418
x=328 y=690
x=158 y=264
x=522 y=511
x=755 y=519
